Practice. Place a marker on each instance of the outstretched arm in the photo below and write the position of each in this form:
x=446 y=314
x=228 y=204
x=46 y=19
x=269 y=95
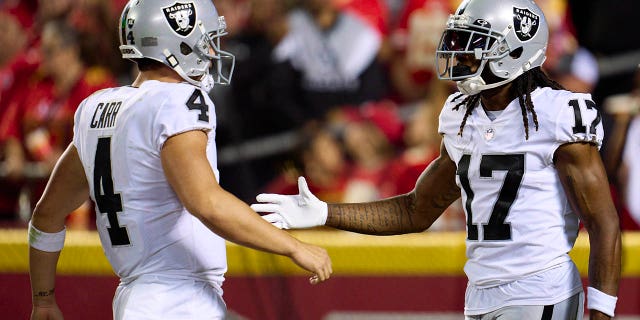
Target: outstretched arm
x=66 y=191
x=415 y=211
x=585 y=182
x=225 y=214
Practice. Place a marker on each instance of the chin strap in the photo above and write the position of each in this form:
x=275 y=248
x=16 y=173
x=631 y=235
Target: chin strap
x=474 y=85
x=206 y=81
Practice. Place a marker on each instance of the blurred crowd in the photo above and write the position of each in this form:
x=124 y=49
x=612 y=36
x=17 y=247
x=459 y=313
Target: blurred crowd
x=340 y=91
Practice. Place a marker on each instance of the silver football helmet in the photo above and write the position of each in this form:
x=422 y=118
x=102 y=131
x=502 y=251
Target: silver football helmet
x=508 y=35
x=182 y=34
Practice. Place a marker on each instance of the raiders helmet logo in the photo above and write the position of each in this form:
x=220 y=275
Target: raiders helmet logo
x=526 y=23
x=181 y=17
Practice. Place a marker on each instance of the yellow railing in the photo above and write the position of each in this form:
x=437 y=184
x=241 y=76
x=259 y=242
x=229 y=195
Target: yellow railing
x=429 y=253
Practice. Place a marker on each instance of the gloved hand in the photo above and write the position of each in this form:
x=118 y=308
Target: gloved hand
x=303 y=210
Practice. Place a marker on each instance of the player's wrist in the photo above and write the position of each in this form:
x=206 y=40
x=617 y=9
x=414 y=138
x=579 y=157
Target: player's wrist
x=296 y=247
x=44 y=298
x=600 y=301
x=324 y=213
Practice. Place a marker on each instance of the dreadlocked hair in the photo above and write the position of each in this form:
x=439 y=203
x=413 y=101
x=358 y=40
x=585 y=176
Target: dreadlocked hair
x=521 y=87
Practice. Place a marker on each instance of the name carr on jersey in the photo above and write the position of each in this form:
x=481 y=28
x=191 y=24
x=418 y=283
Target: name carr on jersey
x=108 y=112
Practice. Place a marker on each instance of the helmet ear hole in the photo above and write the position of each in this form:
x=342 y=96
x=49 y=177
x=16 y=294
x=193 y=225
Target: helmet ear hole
x=516 y=53
x=185 y=49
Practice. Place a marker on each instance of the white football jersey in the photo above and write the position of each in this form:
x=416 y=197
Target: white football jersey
x=143 y=226
x=519 y=221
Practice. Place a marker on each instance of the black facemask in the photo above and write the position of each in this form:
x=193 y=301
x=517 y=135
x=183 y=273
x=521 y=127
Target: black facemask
x=460 y=70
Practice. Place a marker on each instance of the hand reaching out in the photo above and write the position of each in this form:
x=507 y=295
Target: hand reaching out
x=303 y=210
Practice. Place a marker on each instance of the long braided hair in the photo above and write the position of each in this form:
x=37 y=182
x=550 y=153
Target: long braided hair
x=521 y=87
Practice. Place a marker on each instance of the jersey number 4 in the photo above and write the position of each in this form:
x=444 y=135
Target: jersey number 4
x=496 y=228
x=108 y=202
x=197 y=102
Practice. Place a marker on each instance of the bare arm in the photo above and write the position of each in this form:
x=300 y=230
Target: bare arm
x=412 y=212
x=225 y=214
x=66 y=191
x=585 y=182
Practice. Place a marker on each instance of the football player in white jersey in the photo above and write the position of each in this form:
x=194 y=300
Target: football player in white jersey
x=146 y=155
x=523 y=154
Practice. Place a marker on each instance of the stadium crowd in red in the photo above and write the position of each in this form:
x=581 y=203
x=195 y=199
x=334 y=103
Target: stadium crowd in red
x=353 y=78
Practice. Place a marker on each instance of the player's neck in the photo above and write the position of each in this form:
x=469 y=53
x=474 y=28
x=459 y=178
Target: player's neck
x=497 y=99
x=160 y=74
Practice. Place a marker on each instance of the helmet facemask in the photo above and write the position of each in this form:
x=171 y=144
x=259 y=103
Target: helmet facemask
x=216 y=64
x=463 y=41
x=456 y=42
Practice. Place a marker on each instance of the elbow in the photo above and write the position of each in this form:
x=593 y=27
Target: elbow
x=418 y=227
x=205 y=208
x=423 y=225
x=198 y=206
x=46 y=219
x=201 y=209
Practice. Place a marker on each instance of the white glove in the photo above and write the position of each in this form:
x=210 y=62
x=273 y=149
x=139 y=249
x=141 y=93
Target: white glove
x=303 y=210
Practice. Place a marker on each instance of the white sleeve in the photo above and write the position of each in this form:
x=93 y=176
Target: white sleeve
x=578 y=120
x=185 y=109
